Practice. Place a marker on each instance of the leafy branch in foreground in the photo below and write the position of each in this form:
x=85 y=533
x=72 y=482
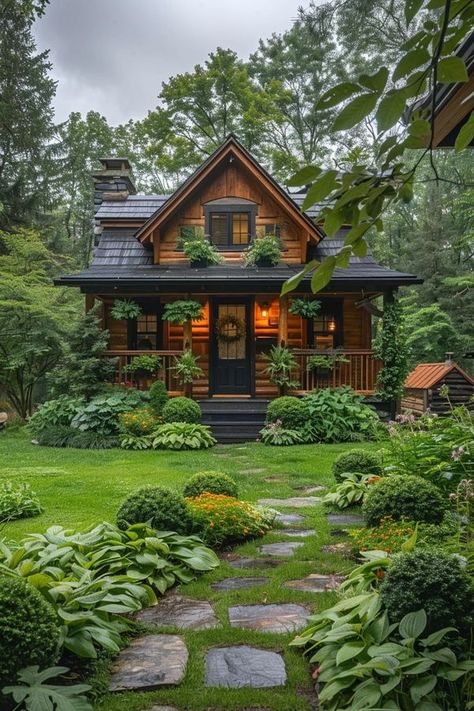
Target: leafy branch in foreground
x=34 y=695
x=360 y=195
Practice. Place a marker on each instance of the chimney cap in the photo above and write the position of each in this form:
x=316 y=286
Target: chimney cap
x=115 y=163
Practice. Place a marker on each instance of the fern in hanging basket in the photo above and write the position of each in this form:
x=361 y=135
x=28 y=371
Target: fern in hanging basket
x=124 y=309
x=230 y=328
x=181 y=311
x=304 y=307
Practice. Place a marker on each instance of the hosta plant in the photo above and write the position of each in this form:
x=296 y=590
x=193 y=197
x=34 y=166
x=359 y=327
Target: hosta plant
x=54 y=413
x=101 y=414
x=275 y=434
x=340 y=415
x=136 y=442
x=183 y=435
x=18 y=501
x=351 y=490
x=33 y=693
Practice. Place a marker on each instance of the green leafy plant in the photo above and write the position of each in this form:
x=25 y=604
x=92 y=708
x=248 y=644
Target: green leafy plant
x=76 y=439
x=281 y=364
x=390 y=346
x=138 y=422
x=181 y=311
x=29 y=629
x=211 y=482
x=32 y=693
x=201 y=253
x=325 y=362
x=18 y=501
x=223 y=520
x=409 y=497
x=264 y=251
x=304 y=307
x=136 y=442
x=389 y=536
x=54 y=413
x=290 y=411
x=186 y=368
x=182 y=409
x=158 y=396
x=144 y=365
x=434 y=578
x=124 y=309
x=339 y=415
x=279 y=436
x=161 y=508
x=101 y=414
x=183 y=435
x=356 y=460
x=350 y=491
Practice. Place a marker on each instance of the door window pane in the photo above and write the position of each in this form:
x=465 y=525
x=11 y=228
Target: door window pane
x=235 y=350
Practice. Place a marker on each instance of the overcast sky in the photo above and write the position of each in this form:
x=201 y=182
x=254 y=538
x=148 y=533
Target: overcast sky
x=111 y=56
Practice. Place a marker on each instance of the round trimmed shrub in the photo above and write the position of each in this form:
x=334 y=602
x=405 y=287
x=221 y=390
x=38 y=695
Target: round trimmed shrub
x=29 y=631
x=164 y=509
x=356 y=460
x=289 y=410
x=182 y=409
x=212 y=482
x=432 y=580
x=158 y=396
x=409 y=497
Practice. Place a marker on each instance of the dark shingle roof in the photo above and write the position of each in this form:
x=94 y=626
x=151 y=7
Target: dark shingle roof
x=119 y=247
x=135 y=207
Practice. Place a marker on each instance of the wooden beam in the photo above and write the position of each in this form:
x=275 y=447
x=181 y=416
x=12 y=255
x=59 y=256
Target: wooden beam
x=155 y=238
x=283 y=321
x=458 y=107
x=89 y=302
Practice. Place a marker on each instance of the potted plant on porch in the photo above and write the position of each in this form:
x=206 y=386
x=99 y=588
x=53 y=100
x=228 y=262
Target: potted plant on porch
x=304 y=307
x=322 y=365
x=143 y=366
x=200 y=253
x=264 y=252
x=125 y=309
x=187 y=370
x=280 y=367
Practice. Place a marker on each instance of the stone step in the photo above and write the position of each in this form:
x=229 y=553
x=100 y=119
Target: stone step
x=242 y=666
x=280 y=618
x=150 y=662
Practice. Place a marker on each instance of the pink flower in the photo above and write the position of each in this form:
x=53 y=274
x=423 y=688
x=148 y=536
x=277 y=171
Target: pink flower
x=457 y=453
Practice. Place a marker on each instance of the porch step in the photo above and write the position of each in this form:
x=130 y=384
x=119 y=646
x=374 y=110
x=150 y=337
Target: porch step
x=234 y=419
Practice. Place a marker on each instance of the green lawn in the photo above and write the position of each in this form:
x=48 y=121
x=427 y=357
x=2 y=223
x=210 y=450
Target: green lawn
x=78 y=488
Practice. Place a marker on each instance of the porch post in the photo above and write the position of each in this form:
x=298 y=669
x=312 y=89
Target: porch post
x=89 y=302
x=283 y=321
x=187 y=335
x=394 y=404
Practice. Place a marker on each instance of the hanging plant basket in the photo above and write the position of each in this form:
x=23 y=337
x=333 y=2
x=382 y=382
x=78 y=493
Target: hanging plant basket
x=230 y=329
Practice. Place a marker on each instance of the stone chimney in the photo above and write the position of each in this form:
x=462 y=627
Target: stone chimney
x=113 y=181
x=449 y=358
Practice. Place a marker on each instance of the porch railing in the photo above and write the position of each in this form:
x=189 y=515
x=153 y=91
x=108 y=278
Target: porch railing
x=360 y=372
x=166 y=373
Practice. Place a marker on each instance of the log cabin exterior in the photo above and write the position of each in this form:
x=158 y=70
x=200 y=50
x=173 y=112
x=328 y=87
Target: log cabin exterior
x=235 y=201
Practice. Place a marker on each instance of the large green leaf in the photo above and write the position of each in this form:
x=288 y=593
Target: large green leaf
x=321 y=188
x=304 y=176
x=349 y=651
x=375 y=82
x=390 y=109
x=422 y=687
x=336 y=94
x=356 y=110
x=452 y=69
x=410 y=61
x=413 y=624
x=322 y=275
x=465 y=135
x=411 y=9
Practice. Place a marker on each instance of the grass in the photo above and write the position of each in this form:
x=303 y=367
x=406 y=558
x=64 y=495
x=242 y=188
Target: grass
x=81 y=487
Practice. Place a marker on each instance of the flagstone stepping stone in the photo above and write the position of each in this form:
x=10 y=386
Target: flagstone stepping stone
x=309 y=489
x=287 y=519
x=239 y=666
x=256 y=562
x=287 y=617
x=345 y=519
x=298 y=532
x=296 y=502
x=315 y=583
x=239 y=583
x=343 y=548
x=185 y=613
x=285 y=548
x=150 y=662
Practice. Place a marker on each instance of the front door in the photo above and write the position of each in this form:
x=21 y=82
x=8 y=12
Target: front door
x=231 y=357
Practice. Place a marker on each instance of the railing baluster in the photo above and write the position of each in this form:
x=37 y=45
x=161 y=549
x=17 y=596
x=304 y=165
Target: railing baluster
x=360 y=372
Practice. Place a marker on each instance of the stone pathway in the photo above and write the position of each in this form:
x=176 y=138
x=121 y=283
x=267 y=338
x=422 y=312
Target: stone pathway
x=269 y=618
x=150 y=662
x=345 y=519
x=288 y=519
x=285 y=548
x=239 y=583
x=235 y=667
x=255 y=563
x=315 y=583
x=294 y=502
x=182 y=612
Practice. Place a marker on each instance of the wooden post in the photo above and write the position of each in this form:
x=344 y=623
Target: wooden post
x=187 y=335
x=283 y=321
x=89 y=303
x=155 y=238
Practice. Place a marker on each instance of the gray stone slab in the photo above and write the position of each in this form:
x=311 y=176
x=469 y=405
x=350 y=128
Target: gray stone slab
x=239 y=583
x=255 y=563
x=315 y=583
x=310 y=489
x=284 y=549
x=298 y=532
x=283 y=618
x=343 y=548
x=150 y=662
x=185 y=613
x=294 y=502
x=345 y=519
x=242 y=666
x=289 y=519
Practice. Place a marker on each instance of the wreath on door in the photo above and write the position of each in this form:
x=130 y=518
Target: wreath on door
x=230 y=329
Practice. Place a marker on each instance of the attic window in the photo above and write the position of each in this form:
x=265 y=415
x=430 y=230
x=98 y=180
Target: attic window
x=230 y=224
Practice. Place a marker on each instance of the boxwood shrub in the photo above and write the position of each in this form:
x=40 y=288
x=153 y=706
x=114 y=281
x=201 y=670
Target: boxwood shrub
x=356 y=460
x=213 y=482
x=182 y=409
x=29 y=630
x=158 y=397
x=290 y=411
x=408 y=497
x=164 y=509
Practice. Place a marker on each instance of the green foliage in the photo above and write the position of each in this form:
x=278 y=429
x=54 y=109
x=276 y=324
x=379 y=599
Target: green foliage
x=186 y=368
x=183 y=435
x=290 y=411
x=18 y=501
x=181 y=311
x=276 y=434
x=124 y=309
x=325 y=362
x=356 y=460
x=148 y=364
x=33 y=694
x=339 y=415
x=409 y=497
x=101 y=414
x=136 y=442
x=264 y=252
x=433 y=578
x=182 y=409
x=391 y=348
x=350 y=491
x=281 y=364
x=29 y=630
x=161 y=508
x=138 y=422
x=304 y=307
x=212 y=482
x=389 y=536
x=158 y=396
x=63 y=436
x=54 y=413
x=224 y=520
x=200 y=252
x=83 y=370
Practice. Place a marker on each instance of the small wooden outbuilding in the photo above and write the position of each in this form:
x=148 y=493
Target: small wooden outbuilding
x=422 y=387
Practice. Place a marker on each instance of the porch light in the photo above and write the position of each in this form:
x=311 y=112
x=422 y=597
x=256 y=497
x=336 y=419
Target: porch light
x=332 y=324
x=264 y=309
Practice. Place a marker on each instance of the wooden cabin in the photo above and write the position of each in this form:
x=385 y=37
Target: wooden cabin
x=422 y=387
x=235 y=201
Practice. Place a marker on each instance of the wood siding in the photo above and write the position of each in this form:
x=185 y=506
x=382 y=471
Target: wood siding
x=460 y=393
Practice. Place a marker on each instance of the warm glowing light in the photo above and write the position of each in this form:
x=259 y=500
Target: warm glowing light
x=331 y=325
x=264 y=310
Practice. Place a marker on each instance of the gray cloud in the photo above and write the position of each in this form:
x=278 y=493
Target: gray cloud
x=111 y=56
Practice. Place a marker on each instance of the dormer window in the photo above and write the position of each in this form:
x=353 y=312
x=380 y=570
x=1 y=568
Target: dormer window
x=230 y=222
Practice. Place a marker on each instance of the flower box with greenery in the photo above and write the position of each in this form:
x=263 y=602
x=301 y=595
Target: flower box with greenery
x=201 y=253
x=281 y=365
x=125 y=309
x=264 y=252
x=143 y=366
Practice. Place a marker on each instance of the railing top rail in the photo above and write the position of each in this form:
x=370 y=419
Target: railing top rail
x=142 y=352
x=336 y=351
